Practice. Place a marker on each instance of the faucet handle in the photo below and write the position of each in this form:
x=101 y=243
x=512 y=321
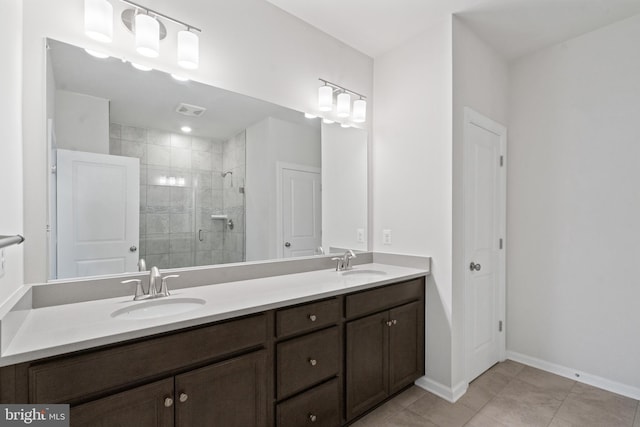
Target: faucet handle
x=339 y=262
x=164 y=290
x=139 y=291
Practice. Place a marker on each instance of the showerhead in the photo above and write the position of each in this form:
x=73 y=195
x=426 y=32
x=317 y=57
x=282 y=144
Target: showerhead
x=224 y=174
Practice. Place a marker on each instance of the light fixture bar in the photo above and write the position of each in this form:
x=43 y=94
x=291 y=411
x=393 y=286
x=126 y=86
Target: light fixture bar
x=333 y=85
x=161 y=15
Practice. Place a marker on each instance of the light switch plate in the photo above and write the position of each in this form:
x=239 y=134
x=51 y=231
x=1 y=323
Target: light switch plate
x=386 y=237
x=360 y=235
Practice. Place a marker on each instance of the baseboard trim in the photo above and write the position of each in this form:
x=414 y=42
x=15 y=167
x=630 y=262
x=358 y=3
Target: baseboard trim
x=450 y=394
x=574 y=374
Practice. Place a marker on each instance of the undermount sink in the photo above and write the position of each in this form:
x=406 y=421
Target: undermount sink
x=158 y=308
x=364 y=273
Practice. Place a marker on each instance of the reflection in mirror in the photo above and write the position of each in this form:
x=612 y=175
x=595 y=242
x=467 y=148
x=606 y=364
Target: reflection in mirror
x=184 y=174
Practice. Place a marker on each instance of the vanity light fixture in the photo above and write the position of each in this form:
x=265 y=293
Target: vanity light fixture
x=147 y=26
x=345 y=125
x=343 y=100
x=359 y=111
x=310 y=116
x=327 y=121
x=96 y=54
x=185 y=129
x=343 y=105
x=98 y=20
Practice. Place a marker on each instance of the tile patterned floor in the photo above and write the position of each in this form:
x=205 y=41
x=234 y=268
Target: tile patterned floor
x=510 y=395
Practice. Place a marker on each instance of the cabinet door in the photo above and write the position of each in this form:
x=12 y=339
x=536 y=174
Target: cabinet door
x=406 y=336
x=141 y=407
x=367 y=363
x=227 y=394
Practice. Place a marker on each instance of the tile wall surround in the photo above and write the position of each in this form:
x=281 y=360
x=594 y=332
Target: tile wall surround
x=171 y=214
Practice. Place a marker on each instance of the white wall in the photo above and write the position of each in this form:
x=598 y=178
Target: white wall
x=81 y=122
x=344 y=187
x=11 y=142
x=480 y=81
x=268 y=143
x=574 y=205
x=248 y=46
x=412 y=172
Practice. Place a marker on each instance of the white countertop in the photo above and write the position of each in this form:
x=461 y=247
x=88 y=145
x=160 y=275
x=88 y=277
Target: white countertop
x=60 y=329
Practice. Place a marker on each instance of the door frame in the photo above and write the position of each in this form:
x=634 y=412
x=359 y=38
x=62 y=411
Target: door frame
x=280 y=166
x=473 y=118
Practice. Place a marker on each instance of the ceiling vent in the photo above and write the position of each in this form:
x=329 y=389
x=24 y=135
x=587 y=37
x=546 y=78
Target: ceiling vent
x=190 y=110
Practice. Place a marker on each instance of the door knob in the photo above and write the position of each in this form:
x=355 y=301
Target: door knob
x=473 y=266
x=133 y=249
x=287 y=244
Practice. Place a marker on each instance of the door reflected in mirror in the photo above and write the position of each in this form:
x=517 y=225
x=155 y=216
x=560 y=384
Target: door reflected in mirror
x=184 y=174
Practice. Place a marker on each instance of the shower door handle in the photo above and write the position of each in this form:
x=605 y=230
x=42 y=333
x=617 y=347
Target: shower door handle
x=133 y=249
x=287 y=245
x=200 y=236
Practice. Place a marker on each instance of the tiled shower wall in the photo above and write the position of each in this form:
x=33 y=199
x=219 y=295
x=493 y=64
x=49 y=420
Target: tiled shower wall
x=176 y=229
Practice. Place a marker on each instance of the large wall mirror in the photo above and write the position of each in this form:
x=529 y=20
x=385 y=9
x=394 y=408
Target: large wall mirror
x=182 y=174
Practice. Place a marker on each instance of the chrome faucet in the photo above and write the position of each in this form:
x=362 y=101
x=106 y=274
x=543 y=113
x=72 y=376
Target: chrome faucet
x=344 y=262
x=154 y=277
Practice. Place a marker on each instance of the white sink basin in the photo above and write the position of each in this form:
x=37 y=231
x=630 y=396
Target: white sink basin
x=364 y=273
x=158 y=308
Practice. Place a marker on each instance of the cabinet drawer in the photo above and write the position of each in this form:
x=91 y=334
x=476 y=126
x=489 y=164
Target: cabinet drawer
x=307 y=360
x=318 y=407
x=383 y=298
x=307 y=317
x=79 y=377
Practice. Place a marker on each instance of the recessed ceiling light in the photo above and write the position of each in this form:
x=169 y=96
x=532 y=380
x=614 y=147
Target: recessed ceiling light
x=327 y=121
x=180 y=78
x=141 y=67
x=310 y=116
x=185 y=129
x=96 y=54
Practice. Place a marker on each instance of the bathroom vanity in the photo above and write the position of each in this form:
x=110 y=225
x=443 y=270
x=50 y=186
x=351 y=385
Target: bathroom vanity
x=288 y=357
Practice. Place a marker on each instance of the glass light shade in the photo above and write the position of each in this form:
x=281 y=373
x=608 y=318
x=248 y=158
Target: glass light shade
x=327 y=121
x=141 y=67
x=96 y=54
x=344 y=105
x=310 y=116
x=188 y=50
x=98 y=20
x=325 y=98
x=359 y=111
x=180 y=78
x=147 y=36
x=345 y=125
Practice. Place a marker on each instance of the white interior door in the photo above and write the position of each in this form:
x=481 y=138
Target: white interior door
x=98 y=213
x=485 y=211
x=301 y=212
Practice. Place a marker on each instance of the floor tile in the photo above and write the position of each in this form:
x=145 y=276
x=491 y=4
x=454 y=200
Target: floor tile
x=441 y=412
x=637 y=420
x=514 y=412
x=556 y=385
x=480 y=420
x=588 y=406
x=531 y=395
x=409 y=396
x=508 y=368
x=491 y=381
x=476 y=397
x=407 y=418
x=559 y=422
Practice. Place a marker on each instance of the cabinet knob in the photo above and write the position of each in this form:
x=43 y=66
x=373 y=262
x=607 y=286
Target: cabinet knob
x=394 y=322
x=183 y=397
x=312 y=418
x=168 y=402
x=313 y=362
x=389 y=322
x=312 y=317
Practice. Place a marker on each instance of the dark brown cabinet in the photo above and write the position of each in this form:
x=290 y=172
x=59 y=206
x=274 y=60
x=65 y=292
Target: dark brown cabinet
x=226 y=394
x=385 y=350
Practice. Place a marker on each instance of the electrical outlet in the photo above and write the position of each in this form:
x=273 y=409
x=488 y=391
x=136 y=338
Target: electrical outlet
x=2 y=262
x=360 y=235
x=386 y=237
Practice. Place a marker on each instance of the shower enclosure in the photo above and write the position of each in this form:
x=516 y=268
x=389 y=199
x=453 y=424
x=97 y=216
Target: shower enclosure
x=192 y=204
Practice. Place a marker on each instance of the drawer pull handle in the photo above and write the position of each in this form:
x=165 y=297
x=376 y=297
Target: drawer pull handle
x=312 y=317
x=168 y=402
x=183 y=397
x=313 y=362
x=312 y=418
